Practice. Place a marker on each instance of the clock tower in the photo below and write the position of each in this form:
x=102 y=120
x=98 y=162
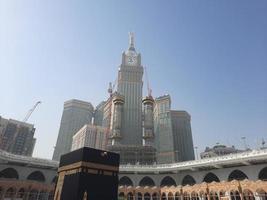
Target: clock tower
x=131 y=125
x=130 y=85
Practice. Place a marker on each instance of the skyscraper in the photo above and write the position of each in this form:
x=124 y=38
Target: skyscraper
x=99 y=113
x=90 y=136
x=75 y=115
x=17 y=136
x=182 y=136
x=163 y=129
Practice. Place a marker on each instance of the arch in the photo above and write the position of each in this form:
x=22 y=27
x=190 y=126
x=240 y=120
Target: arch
x=170 y=196
x=248 y=195
x=147 y=196
x=36 y=176
x=188 y=180
x=167 y=181
x=155 y=196
x=194 y=196
x=147 y=181
x=33 y=195
x=222 y=193
x=261 y=194
x=177 y=196
x=121 y=196
x=260 y=190
x=203 y=195
x=237 y=175
x=263 y=174
x=9 y=173
x=214 y=196
x=125 y=181
x=21 y=193
x=163 y=196
x=186 y=196
x=139 y=196
x=235 y=195
x=10 y=193
x=210 y=177
x=130 y=196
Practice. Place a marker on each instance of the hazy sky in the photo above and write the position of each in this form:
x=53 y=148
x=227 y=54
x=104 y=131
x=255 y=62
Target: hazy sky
x=209 y=55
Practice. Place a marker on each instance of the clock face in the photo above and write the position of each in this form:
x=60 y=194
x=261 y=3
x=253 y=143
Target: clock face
x=131 y=60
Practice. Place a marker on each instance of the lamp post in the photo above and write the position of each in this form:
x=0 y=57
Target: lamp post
x=244 y=141
x=196 y=152
x=176 y=153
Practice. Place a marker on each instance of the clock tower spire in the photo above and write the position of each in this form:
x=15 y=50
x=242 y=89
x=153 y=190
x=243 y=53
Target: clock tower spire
x=130 y=57
x=131 y=41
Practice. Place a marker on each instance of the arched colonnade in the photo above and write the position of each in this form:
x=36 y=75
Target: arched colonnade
x=228 y=190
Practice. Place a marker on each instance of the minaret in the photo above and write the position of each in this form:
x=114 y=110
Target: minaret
x=118 y=102
x=130 y=86
x=148 y=123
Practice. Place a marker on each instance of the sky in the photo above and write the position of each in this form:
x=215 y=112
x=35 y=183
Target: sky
x=210 y=56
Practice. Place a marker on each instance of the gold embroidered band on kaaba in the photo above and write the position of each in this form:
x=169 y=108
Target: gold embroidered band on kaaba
x=88 y=167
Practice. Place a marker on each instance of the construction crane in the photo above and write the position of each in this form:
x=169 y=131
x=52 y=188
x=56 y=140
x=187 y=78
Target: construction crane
x=149 y=90
x=112 y=87
x=31 y=111
x=11 y=142
x=114 y=84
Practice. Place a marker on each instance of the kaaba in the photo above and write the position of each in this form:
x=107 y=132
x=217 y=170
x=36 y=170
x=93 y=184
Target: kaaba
x=88 y=174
